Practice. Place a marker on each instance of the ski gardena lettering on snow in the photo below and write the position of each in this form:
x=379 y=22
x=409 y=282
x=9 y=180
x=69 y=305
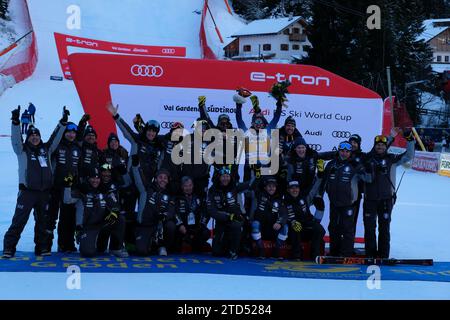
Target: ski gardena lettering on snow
x=306 y=80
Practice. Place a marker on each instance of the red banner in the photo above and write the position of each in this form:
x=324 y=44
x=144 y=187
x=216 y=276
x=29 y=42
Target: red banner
x=207 y=53
x=63 y=41
x=22 y=62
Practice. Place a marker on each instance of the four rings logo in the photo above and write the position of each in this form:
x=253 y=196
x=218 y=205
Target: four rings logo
x=168 y=50
x=316 y=147
x=146 y=71
x=166 y=124
x=341 y=134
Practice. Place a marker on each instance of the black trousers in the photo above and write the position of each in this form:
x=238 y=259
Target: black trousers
x=382 y=210
x=66 y=222
x=341 y=230
x=357 y=205
x=113 y=234
x=128 y=198
x=227 y=238
x=92 y=239
x=311 y=231
x=28 y=200
x=195 y=237
x=147 y=236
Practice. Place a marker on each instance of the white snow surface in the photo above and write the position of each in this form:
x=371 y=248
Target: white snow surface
x=266 y=26
x=421 y=217
x=431 y=30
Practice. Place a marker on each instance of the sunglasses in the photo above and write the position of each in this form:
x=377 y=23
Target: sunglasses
x=345 y=146
x=380 y=138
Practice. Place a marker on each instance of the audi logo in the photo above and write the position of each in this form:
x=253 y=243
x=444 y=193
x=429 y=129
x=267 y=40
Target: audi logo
x=168 y=50
x=316 y=147
x=146 y=71
x=341 y=134
x=166 y=125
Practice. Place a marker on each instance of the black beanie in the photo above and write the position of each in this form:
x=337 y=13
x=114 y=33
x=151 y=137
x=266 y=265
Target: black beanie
x=90 y=130
x=113 y=136
x=33 y=130
x=290 y=120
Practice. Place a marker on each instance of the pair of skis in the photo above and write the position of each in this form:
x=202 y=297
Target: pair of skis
x=373 y=261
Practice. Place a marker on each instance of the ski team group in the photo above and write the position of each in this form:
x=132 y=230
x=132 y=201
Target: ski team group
x=140 y=202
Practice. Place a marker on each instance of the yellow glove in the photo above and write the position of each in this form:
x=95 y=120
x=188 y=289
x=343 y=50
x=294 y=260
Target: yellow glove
x=296 y=226
x=111 y=218
x=201 y=101
x=68 y=180
x=255 y=103
x=320 y=165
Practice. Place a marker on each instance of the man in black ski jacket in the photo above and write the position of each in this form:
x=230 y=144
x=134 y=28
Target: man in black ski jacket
x=156 y=216
x=225 y=206
x=191 y=217
x=65 y=162
x=340 y=181
x=97 y=212
x=268 y=217
x=35 y=182
x=380 y=194
x=302 y=224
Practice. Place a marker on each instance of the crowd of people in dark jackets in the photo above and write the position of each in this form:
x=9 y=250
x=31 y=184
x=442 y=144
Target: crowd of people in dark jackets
x=140 y=202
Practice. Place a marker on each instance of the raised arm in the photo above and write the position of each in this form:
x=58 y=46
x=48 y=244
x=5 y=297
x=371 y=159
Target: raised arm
x=240 y=123
x=203 y=113
x=276 y=116
x=57 y=134
x=16 y=136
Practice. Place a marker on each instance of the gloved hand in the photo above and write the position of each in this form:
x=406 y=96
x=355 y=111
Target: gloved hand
x=283 y=174
x=320 y=167
x=138 y=123
x=111 y=218
x=121 y=169
x=319 y=203
x=201 y=101
x=65 y=116
x=162 y=216
x=15 y=116
x=85 y=118
x=236 y=217
x=68 y=180
x=135 y=160
x=296 y=226
x=78 y=231
x=255 y=104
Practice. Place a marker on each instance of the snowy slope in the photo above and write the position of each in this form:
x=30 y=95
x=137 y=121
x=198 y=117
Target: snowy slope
x=420 y=220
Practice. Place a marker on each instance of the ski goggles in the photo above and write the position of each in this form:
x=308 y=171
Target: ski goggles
x=258 y=122
x=381 y=138
x=71 y=127
x=224 y=170
x=345 y=146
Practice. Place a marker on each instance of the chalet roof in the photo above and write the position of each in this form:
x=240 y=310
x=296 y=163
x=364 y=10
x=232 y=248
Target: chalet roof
x=433 y=27
x=267 y=26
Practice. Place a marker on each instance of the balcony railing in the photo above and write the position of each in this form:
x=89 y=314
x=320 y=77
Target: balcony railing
x=297 y=37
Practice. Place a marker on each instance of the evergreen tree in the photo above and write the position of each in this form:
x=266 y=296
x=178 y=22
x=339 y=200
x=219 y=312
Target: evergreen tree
x=3 y=8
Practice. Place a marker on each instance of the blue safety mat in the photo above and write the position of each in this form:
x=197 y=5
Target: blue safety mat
x=27 y=262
